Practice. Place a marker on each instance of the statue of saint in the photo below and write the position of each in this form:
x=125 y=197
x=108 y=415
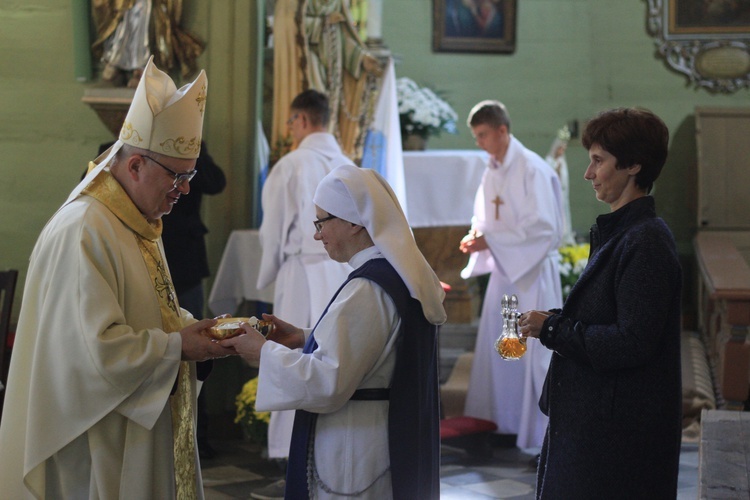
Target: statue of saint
x=316 y=46
x=557 y=160
x=128 y=32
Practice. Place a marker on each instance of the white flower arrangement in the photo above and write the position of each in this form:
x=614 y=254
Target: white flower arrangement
x=422 y=112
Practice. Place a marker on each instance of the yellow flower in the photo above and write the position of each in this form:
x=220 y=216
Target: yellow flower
x=254 y=423
x=572 y=263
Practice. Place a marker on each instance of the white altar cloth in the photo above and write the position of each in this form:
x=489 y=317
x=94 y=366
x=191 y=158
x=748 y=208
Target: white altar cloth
x=440 y=189
x=441 y=185
x=237 y=276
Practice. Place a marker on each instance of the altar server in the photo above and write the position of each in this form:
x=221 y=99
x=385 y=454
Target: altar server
x=365 y=384
x=515 y=232
x=102 y=388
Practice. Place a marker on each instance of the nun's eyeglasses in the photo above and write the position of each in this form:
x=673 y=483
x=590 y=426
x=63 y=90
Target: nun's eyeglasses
x=319 y=223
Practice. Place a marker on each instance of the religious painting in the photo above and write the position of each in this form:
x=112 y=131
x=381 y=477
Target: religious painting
x=709 y=16
x=706 y=40
x=474 y=26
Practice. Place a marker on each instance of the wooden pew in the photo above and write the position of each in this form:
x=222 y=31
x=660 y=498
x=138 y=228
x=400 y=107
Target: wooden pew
x=724 y=292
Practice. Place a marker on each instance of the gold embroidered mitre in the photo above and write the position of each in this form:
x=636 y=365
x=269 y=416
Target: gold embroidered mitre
x=163 y=118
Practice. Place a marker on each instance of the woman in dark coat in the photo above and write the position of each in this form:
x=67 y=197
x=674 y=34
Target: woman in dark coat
x=613 y=389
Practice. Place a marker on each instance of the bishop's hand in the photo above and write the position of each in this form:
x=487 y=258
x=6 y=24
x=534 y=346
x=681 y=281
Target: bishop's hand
x=197 y=346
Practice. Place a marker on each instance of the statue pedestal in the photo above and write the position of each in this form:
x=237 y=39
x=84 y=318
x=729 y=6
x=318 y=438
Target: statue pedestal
x=111 y=105
x=440 y=247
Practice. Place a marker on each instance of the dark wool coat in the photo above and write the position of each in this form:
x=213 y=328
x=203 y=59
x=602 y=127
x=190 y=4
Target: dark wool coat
x=613 y=389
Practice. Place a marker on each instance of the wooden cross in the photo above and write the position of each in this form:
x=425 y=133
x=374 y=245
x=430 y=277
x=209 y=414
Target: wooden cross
x=497 y=202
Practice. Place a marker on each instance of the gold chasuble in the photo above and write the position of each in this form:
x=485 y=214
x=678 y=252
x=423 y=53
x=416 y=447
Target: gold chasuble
x=108 y=191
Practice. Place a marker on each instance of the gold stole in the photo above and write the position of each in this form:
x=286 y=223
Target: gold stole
x=108 y=191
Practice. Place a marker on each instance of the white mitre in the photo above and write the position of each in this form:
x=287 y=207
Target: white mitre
x=161 y=118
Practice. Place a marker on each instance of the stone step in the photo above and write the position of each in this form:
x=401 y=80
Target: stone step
x=724 y=466
x=455 y=339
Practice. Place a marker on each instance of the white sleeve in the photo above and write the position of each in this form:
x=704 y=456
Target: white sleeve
x=278 y=212
x=354 y=337
x=537 y=229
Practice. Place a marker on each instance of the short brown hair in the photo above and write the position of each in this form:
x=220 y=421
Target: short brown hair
x=634 y=136
x=489 y=112
x=315 y=104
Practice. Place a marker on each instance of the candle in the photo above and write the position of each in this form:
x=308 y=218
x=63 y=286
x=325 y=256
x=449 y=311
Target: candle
x=374 y=19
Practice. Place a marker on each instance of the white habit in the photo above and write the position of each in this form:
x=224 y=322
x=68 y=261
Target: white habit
x=306 y=278
x=518 y=209
x=355 y=350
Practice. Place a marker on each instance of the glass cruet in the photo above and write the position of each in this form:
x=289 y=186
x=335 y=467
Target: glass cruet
x=509 y=345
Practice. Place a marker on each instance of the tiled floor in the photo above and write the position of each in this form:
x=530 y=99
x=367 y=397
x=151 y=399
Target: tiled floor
x=238 y=469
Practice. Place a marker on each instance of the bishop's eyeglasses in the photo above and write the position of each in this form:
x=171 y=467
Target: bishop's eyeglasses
x=319 y=223
x=179 y=179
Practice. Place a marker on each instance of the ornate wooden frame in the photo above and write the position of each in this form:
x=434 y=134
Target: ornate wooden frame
x=712 y=51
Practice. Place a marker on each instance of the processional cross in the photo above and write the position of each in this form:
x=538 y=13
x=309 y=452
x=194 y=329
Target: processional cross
x=497 y=202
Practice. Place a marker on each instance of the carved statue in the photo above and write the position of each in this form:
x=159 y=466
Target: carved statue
x=557 y=160
x=316 y=46
x=129 y=31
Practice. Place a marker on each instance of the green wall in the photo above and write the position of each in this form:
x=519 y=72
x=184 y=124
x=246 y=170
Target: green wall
x=573 y=58
x=47 y=135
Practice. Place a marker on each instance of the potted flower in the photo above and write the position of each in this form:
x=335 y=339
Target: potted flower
x=254 y=423
x=572 y=263
x=422 y=113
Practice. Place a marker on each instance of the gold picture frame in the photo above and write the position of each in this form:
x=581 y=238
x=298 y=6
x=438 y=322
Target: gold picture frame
x=480 y=26
x=699 y=17
x=707 y=41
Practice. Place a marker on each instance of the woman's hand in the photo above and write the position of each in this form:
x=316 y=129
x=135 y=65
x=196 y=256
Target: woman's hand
x=249 y=344
x=530 y=323
x=285 y=333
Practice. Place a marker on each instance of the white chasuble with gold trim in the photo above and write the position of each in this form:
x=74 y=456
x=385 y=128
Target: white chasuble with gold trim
x=106 y=189
x=88 y=411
